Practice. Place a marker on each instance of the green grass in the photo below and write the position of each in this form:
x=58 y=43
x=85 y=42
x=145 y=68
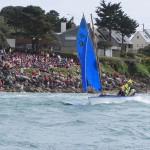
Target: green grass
x=111 y=64
x=137 y=66
x=106 y=68
x=141 y=70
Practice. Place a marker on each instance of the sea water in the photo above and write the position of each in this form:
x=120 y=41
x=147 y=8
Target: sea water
x=51 y=121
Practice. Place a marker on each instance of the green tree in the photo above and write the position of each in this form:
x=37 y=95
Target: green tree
x=4 y=31
x=53 y=18
x=125 y=26
x=70 y=23
x=108 y=14
x=35 y=24
x=13 y=17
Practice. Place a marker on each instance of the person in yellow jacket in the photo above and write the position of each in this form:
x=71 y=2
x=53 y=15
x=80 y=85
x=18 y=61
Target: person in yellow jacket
x=126 y=89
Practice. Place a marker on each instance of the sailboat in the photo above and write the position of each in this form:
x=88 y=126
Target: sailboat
x=90 y=74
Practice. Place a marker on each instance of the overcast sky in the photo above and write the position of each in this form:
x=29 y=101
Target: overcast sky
x=135 y=9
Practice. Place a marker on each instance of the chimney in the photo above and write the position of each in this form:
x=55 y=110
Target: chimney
x=63 y=27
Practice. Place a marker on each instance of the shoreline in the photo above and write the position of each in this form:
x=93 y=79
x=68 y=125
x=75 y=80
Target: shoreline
x=21 y=72
x=65 y=91
x=61 y=82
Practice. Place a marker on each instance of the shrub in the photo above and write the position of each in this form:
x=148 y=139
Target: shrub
x=112 y=63
x=123 y=54
x=131 y=55
x=146 y=62
x=141 y=70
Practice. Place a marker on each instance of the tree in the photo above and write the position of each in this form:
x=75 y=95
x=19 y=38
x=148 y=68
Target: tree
x=35 y=24
x=108 y=14
x=125 y=26
x=13 y=17
x=53 y=18
x=70 y=23
x=4 y=31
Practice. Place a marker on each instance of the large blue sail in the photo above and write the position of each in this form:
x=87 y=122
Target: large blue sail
x=81 y=48
x=89 y=69
x=92 y=72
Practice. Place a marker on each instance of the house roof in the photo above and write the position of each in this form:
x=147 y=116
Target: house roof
x=117 y=36
x=147 y=31
x=145 y=36
x=99 y=35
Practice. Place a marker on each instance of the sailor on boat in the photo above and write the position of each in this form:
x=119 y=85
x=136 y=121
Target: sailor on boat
x=127 y=89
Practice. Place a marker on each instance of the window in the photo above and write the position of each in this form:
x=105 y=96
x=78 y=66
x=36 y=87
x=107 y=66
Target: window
x=146 y=36
x=137 y=37
x=101 y=36
x=118 y=39
x=130 y=46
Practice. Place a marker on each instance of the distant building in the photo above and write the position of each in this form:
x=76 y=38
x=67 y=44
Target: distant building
x=67 y=38
x=141 y=39
x=68 y=41
x=24 y=43
x=116 y=41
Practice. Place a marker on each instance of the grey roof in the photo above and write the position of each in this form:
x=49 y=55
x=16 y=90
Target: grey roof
x=145 y=36
x=147 y=31
x=99 y=35
x=117 y=36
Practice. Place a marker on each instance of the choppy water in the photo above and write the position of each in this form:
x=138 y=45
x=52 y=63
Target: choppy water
x=71 y=122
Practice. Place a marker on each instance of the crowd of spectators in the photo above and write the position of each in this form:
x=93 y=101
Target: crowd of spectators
x=41 y=72
x=22 y=70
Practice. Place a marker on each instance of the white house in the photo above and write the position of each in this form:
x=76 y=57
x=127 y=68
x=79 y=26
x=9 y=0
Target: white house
x=141 y=39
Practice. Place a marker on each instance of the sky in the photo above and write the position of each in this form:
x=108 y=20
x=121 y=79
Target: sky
x=135 y=9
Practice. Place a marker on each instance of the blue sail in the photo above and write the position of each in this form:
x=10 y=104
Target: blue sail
x=92 y=72
x=81 y=48
x=81 y=38
x=89 y=69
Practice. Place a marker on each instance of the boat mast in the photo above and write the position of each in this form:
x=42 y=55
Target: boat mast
x=96 y=52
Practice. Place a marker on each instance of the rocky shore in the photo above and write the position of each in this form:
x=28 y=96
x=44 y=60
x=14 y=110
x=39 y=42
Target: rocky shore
x=64 y=82
x=21 y=72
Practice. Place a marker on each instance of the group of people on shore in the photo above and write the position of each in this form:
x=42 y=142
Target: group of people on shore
x=13 y=66
x=21 y=71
